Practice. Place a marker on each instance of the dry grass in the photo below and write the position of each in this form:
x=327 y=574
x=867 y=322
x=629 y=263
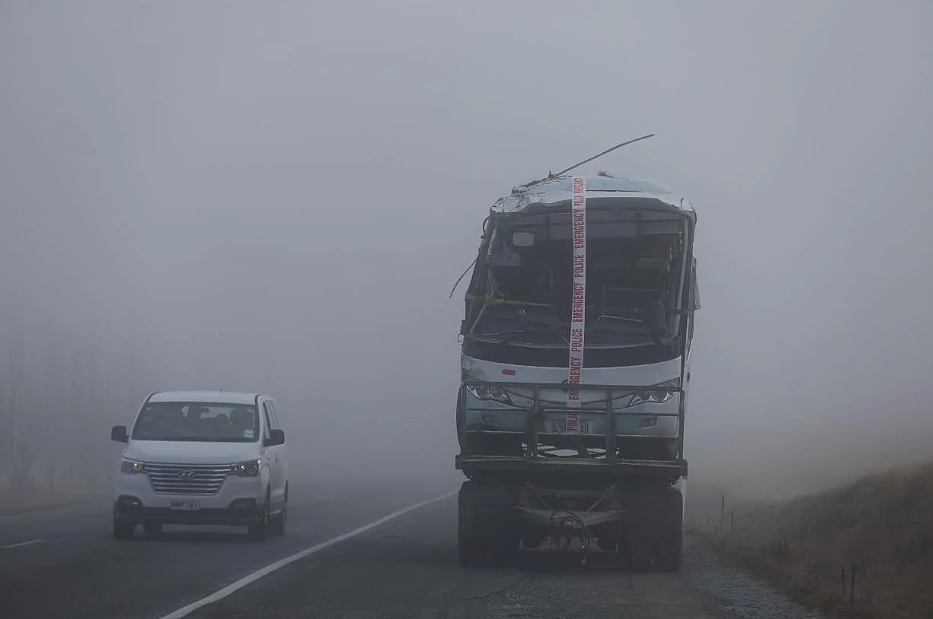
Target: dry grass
x=881 y=524
x=23 y=502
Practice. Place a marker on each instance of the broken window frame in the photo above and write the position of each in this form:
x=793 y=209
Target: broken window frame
x=480 y=293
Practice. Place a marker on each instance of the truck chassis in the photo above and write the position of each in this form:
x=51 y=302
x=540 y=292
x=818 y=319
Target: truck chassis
x=633 y=507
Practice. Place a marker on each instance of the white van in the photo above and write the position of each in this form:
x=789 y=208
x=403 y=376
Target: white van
x=202 y=457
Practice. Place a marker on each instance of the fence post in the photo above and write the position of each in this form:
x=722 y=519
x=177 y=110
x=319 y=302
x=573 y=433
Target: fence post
x=852 y=587
x=722 y=517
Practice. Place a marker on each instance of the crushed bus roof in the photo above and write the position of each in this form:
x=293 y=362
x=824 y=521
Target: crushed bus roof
x=560 y=189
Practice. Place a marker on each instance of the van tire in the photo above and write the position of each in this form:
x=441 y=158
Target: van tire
x=259 y=532
x=278 y=524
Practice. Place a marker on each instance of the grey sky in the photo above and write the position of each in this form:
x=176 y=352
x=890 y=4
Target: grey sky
x=284 y=193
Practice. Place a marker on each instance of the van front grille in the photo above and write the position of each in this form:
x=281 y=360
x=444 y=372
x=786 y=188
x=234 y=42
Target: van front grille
x=186 y=478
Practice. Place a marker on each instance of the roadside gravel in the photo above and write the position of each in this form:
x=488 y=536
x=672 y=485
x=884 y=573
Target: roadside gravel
x=741 y=596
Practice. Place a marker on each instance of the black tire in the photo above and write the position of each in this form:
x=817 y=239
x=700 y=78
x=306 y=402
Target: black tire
x=152 y=529
x=670 y=545
x=471 y=549
x=277 y=524
x=638 y=552
x=505 y=550
x=123 y=531
x=670 y=555
x=259 y=532
x=471 y=552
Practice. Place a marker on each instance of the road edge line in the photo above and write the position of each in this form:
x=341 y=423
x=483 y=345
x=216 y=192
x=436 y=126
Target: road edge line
x=28 y=542
x=223 y=592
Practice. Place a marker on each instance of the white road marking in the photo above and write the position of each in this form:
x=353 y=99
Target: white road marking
x=232 y=587
x=26 y=543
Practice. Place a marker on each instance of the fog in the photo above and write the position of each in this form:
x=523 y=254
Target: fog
x=278 y=196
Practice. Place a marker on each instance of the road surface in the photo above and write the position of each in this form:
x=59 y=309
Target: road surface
x=63 y=563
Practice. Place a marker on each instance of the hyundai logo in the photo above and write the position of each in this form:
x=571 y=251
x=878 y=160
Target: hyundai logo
x=187 y=474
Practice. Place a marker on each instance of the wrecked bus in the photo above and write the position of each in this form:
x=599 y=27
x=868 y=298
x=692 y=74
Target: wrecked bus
x=575 y=369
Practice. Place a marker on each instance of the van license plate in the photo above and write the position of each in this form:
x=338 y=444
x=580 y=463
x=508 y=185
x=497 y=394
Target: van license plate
x=188 y=506
x=560 y=427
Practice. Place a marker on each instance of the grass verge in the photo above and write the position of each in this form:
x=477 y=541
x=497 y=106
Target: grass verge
x=864 y=550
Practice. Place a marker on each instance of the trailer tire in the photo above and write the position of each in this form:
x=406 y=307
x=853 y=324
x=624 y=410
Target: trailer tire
x=637 y=552
x=670 y=555
x=670 y=546
x=471 y=548
x=505 y=550
x=471 y=552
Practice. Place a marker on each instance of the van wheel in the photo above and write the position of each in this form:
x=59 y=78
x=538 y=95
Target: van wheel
x=259 y=532
x=123 y=531
x=277 y=525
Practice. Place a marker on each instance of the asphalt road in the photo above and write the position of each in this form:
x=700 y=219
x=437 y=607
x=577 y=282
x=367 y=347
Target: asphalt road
x=64 y=563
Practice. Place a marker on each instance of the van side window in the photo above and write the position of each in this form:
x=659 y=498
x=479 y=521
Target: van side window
x=274 y=414
x=268 y=424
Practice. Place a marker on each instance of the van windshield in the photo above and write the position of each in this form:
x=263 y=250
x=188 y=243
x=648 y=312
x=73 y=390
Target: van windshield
x=197 y=421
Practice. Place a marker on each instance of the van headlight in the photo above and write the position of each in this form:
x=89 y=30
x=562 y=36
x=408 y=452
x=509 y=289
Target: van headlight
x=131 y=467
x=248 y=468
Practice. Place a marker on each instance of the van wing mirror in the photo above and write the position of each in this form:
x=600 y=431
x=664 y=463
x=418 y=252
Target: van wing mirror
x=276 y=437
x=118 y=434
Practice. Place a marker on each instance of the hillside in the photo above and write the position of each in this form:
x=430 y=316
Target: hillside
x=882 y=524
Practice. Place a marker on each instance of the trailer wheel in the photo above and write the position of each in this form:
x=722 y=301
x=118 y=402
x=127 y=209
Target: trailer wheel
x=470 y=551
x=471 y=548
x=670 y=555
x=670 y=545
x=638 y=553
x=505 y=550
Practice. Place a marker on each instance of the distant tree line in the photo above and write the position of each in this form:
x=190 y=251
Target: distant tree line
x=63 y=383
